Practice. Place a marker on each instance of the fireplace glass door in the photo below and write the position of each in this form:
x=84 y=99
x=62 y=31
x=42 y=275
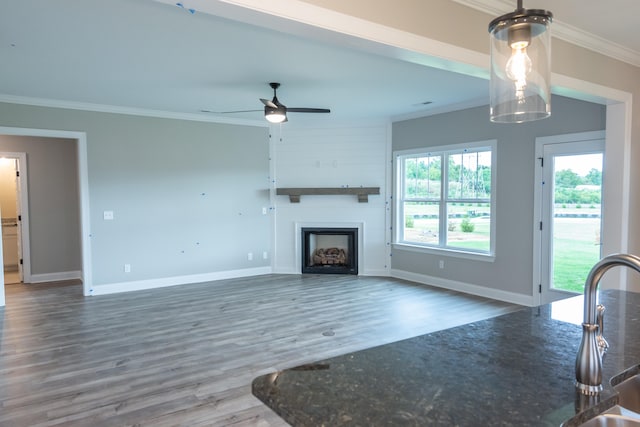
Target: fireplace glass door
x=330 y=250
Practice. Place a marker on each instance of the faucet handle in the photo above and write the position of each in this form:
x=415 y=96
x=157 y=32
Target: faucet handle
x=603 y=345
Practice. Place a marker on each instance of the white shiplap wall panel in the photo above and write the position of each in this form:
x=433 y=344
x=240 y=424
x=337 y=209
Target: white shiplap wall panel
x=332 y=157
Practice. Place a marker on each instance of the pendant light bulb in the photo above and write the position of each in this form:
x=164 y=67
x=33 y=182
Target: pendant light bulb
x=518 y=68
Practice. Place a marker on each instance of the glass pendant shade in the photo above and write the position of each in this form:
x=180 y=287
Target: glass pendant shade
x=520 y=66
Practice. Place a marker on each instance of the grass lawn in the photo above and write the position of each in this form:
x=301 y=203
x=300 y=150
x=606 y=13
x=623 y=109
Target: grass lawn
x=576 y=250
x=426 y=231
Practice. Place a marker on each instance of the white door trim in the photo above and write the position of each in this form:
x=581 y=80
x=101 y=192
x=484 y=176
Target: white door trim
x=83 y=181
x=539 y=214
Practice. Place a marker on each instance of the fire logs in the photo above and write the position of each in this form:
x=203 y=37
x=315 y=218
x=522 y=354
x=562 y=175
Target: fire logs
x=329 y=256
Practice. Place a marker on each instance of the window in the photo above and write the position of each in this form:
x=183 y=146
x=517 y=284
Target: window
x=444 y=197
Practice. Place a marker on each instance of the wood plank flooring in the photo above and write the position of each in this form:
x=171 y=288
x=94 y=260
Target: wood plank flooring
x=186 y=355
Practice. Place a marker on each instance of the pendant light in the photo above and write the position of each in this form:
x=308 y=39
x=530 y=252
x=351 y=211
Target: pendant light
x=520 y=66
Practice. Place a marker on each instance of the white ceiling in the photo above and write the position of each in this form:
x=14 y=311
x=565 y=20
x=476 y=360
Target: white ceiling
x=147 y=55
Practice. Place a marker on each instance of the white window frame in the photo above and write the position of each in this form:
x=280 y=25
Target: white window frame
x=398 y=228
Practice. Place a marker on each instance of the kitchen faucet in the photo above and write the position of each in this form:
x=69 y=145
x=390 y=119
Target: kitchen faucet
x=593 y=345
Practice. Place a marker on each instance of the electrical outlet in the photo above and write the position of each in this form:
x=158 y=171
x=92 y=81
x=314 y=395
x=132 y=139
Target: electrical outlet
x=127 y=268
x=250 y=256
x=264 y=211
x=265 y=255
x=441 y=263
x=107 y=215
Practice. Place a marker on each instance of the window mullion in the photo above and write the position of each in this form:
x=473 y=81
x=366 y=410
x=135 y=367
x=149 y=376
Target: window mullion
x=444 y=195
x=476 y=184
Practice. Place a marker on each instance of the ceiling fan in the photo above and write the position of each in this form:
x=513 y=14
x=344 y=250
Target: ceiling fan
x=274 y=110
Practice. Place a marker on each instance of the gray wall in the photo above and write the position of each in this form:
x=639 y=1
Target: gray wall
x=53 y=202
x=187 y=196
x=512 y=270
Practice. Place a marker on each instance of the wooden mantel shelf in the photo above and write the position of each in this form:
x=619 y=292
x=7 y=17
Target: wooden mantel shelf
x=295 y=193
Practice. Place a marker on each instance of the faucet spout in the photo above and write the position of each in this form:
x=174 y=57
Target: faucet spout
x=589 y=358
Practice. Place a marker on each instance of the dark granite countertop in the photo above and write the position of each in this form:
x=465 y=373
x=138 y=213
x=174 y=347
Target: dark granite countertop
x=512 y=370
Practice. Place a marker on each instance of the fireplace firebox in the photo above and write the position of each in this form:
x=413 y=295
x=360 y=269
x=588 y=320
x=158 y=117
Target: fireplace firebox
x=330 y=250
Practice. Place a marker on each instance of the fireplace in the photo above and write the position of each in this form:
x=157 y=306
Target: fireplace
x=329 y=250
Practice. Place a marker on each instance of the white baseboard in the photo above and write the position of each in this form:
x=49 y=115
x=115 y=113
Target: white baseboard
x=54 y=277
x=286 y=270
x=139 y=285
x=373 y=272
x=467 y=288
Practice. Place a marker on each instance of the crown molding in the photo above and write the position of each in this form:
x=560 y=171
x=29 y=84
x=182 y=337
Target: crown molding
x=114 y=109
x=473 y=103
x=565 y=32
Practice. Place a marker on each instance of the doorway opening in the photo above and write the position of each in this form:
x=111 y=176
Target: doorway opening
x=13 y=209
x=80 y=141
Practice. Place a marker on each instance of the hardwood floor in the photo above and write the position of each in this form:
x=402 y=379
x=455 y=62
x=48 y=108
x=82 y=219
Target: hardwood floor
x=186 y=355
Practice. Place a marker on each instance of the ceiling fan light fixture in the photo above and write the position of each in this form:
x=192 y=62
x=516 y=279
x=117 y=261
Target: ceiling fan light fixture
x=274 y=110
x=520 y=88
x=275 y=115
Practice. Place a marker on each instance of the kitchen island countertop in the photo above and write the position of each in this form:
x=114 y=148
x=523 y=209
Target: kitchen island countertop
x=513 y=370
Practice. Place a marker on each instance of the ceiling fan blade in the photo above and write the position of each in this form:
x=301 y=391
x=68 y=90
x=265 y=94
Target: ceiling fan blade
x=274 y=109
x=269 y=103
x=308 y=110
x=229 y=112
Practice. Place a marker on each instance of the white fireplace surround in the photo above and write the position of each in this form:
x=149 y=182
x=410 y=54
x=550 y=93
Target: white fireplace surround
x=298 y=239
